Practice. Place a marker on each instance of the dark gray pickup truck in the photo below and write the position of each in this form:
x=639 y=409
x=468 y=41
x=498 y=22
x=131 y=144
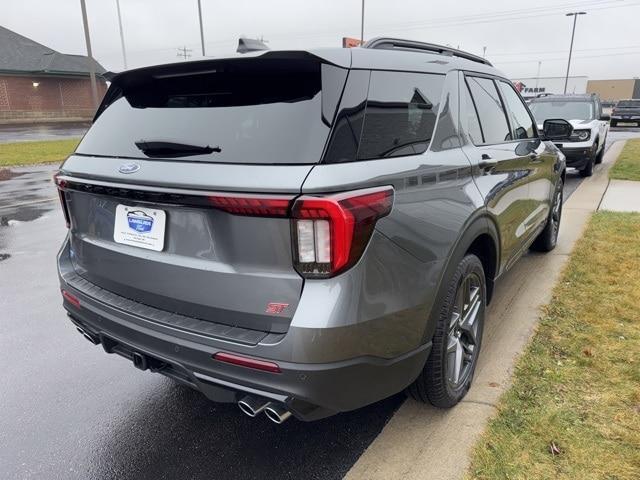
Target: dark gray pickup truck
x=626 y=111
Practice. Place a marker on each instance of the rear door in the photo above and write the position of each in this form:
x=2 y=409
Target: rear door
x=178 y=195
x=502 y=165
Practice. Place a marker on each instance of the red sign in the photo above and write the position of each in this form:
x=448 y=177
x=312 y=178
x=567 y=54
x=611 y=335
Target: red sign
x=348 y=42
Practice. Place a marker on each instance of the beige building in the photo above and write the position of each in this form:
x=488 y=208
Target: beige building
x=614 y=90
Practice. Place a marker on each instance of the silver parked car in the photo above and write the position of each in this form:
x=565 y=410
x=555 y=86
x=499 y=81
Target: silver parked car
x=306 y=232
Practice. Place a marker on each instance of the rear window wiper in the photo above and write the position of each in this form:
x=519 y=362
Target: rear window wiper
x=161 y=149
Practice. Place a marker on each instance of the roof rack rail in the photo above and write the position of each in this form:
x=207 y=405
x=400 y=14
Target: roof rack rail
x=386 y=43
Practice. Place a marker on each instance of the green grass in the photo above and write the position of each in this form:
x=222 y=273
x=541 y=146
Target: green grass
x=627 y=167
x=573 y=411
x=28 y=153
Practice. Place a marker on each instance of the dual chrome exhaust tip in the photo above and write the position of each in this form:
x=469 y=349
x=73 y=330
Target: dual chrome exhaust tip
x=275 y=412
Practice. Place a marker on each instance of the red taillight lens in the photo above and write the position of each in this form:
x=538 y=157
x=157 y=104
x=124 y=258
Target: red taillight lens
x=247 y=362
x=331 y=232
x=61 y=184
x=252 y=205
x=72 y=299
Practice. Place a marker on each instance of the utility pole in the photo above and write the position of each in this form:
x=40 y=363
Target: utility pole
x=538 y=74
x=201 y=29
x=362 y=25
x=484 y=52
x=90 y=62
x=184 y=52
x=124 y=52
x=573 y=32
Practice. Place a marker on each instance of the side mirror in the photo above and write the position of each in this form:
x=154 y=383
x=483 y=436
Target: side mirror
x=605 y=117
x=556 y=129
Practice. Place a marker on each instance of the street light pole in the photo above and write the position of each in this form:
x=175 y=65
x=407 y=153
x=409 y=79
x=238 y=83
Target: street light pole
x=124 y=52
x=573 y=32
x=92 y=66
x=362 y=25
x=201 y=29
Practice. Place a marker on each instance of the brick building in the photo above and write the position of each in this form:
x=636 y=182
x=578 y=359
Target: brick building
x=38 y=84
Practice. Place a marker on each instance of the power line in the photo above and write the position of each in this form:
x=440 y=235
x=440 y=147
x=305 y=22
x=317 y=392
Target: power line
x=184 y=52
x=554 y=52
x=564 y=58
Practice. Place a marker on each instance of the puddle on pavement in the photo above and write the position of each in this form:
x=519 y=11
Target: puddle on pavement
x=8 y=174
x=25 y=214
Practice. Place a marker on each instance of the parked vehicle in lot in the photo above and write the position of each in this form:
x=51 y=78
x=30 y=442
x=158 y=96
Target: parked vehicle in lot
x=586 y=146
x=626 y=111
x=306 y=232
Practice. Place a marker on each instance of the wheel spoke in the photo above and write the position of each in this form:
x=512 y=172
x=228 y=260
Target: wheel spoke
x=469 y=323
x=454 y=360
x=463 y=335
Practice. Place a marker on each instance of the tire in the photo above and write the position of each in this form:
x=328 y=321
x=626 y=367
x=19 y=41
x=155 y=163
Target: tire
x=600 y=155
x=587 y=171
x=440 y=382
x=548 y=238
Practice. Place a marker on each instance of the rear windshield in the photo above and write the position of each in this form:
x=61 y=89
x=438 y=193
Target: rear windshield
x=629 y=104
x=241 y=111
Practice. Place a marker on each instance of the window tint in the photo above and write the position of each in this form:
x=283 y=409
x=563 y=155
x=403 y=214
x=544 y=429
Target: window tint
x=262 y=111
x=400 y=114
x=345 y=138
x=492 y=117
x=521 y=123
x=471 y=117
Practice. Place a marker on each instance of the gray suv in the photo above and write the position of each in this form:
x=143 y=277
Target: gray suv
x=306 y=232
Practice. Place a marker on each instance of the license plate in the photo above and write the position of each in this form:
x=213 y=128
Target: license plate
x=140 y=227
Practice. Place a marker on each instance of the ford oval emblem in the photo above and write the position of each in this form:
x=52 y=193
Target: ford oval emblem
x=129 y=167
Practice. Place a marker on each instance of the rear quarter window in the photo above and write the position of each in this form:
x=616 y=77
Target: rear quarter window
x=397 y=118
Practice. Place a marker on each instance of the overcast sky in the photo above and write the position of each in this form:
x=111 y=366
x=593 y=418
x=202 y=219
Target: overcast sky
x=517 y=35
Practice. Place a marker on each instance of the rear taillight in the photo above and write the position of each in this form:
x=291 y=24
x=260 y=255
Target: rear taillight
x=61 y=184
x=331 y=232
x=252 y=205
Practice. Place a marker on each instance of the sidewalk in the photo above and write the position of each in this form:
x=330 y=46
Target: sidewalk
x=424 y=442
x=621 y=196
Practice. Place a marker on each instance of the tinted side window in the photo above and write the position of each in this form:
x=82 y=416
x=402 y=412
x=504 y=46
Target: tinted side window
x=347 y=129
x=400 y=114
x=490 y=110
x=521 y=123
x=471 y=117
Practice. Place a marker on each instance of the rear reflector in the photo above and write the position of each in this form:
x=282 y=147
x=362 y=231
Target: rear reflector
x=72 y=299
x=331 y=232
x=247 y=362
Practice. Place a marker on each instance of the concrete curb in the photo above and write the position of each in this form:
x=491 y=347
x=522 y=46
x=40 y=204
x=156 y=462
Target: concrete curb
x=421 y=441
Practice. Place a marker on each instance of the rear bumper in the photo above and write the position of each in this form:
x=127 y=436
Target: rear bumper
x=310 y=390
x=626 y=118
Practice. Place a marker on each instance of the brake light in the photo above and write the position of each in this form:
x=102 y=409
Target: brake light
x=252 y=205
x=331 y=232
x=248 y=362
x=61 y=185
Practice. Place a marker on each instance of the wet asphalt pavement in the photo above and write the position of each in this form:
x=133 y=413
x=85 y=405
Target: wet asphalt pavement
x=69 y=411
x=42 y=131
